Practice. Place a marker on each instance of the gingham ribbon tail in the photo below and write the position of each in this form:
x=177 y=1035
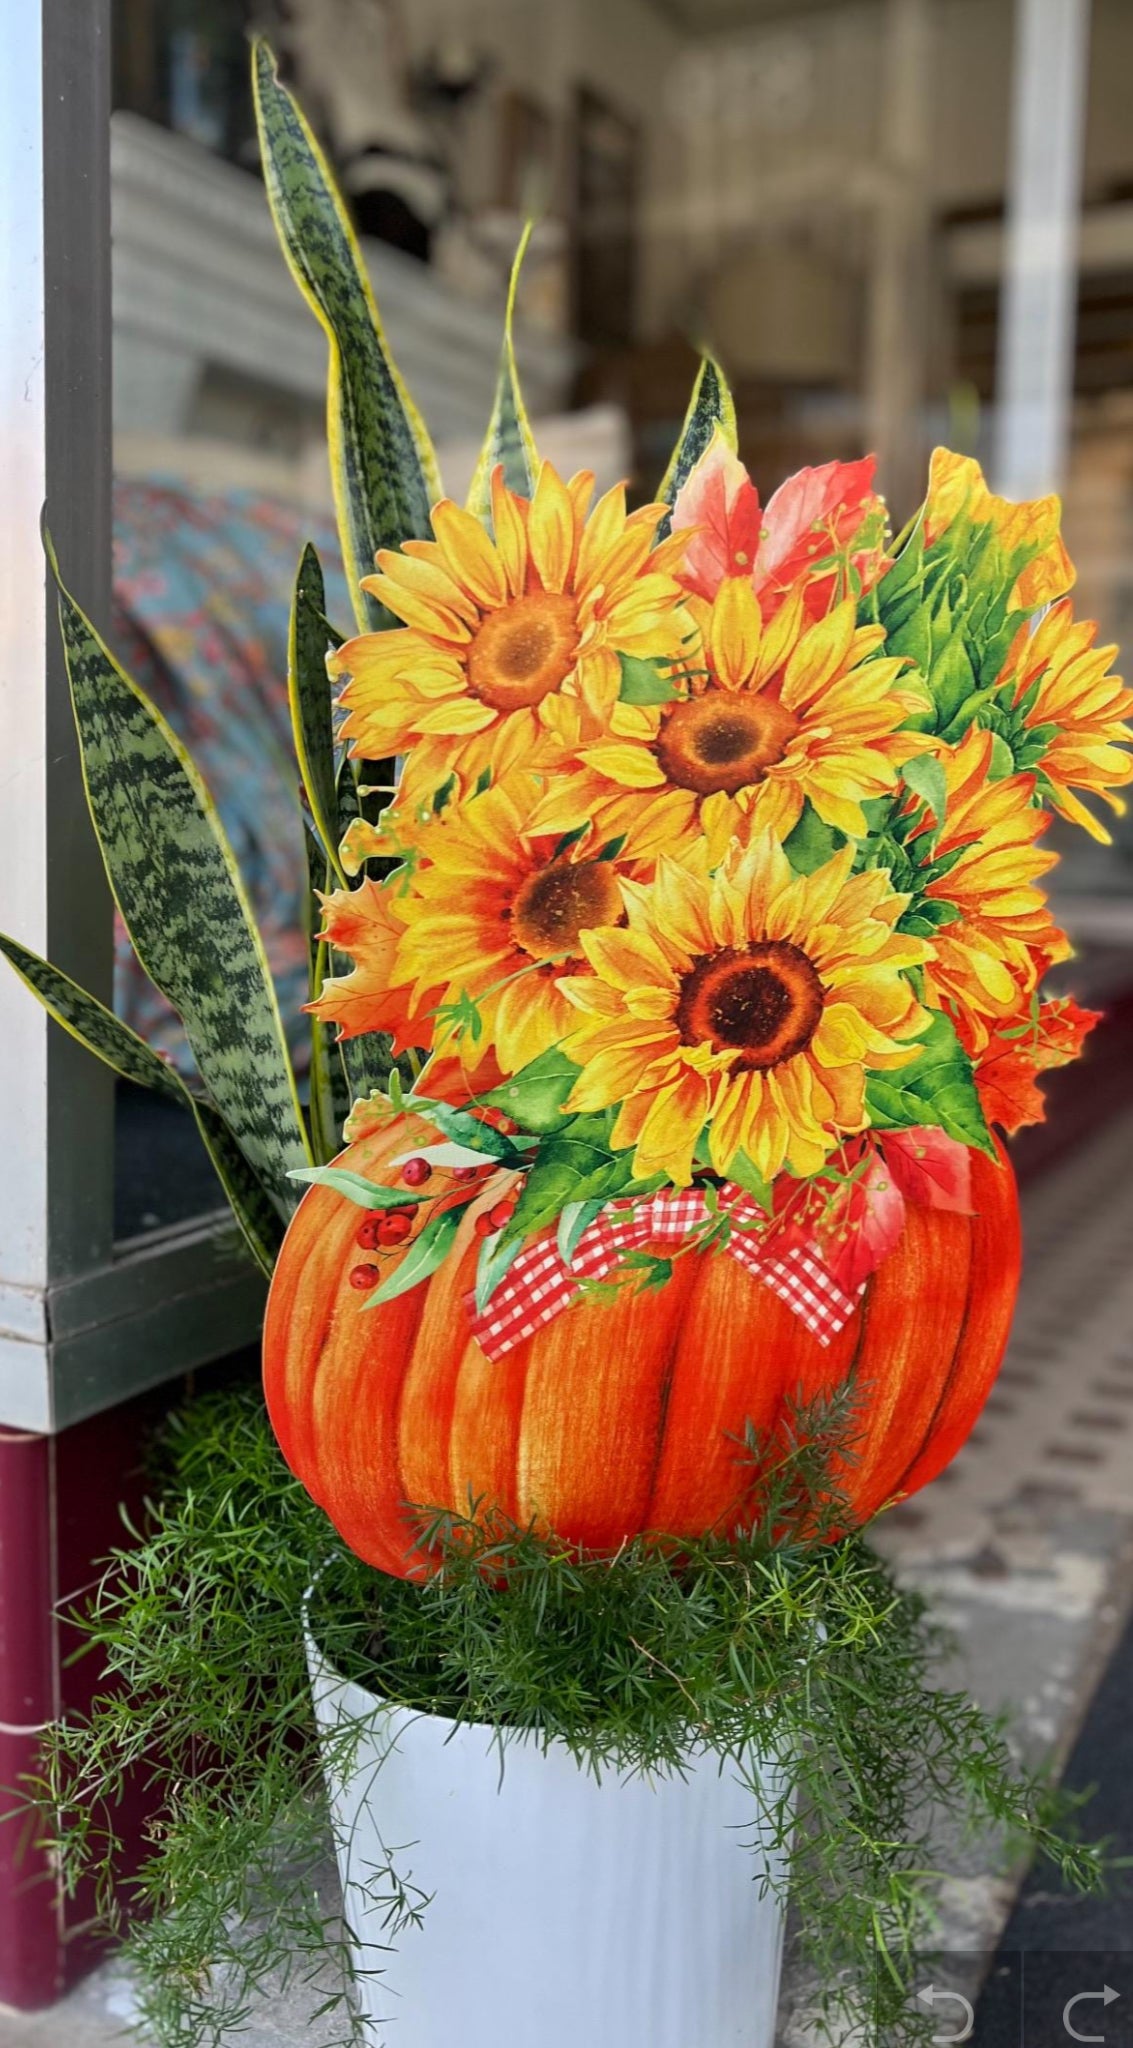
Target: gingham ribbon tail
x=540 y=1284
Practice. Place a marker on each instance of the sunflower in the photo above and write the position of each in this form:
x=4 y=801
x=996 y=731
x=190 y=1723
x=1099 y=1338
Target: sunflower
x=987 y=960
x=488 y=923
x=1069 y=714
x=518 y=634
x=783 y=711
x=1027 y=534
x=751 y=1002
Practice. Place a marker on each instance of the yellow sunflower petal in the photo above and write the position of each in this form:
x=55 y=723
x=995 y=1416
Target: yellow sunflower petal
x=551 y=530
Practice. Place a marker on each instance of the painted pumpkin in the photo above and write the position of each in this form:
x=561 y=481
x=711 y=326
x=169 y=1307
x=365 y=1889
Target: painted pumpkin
x=617 y=1417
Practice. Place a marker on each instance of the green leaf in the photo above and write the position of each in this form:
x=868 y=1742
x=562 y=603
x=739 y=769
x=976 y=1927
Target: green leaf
x=383 y=468
x=574 y=1222
x=367 y=1062
x=426 y=1252
x=509 y=440
x=924 y=775
x=812 y=842
x=368 y=1194
x=329 y=1097
x=654 y=1271
x=535 y=1096
x=96 y=1027
x=463 y=1128
x=936 y=1088
x=951 y=678
x=1002 y=759
x=183 y=902
x=643 y=681
x=570 y=839
x=746 y=1175
x=247 y=1197
x=309 y=696
x=105 y=1035
x=446 y=1153
x=492 y=1263
x=710 y=406
x=569 y=1168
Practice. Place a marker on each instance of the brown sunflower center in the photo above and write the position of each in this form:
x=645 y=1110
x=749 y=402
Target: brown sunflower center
x=553 y=906
x=524 y=651
x=723 y=742
x=763 y=1001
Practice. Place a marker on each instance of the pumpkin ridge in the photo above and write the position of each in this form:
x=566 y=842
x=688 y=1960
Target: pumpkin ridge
x=949 y=1379
x=668 y=1370
x=417 y=1296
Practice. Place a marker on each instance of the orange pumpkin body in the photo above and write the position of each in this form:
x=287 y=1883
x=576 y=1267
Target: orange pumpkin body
x=617 y=1417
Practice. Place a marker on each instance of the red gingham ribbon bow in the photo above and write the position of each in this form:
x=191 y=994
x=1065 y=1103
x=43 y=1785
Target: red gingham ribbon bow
x=540 y=1284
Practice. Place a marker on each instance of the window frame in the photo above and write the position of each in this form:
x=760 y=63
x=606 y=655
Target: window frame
x=84 y=1322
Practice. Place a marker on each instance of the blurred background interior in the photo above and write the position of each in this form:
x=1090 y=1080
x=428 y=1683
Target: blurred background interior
x=897 y=222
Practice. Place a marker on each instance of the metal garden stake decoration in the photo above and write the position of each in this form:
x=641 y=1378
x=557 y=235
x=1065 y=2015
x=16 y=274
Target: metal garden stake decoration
x=673 y=1006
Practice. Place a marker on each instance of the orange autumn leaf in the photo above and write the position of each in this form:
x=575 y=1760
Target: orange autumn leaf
x=1007 y=1074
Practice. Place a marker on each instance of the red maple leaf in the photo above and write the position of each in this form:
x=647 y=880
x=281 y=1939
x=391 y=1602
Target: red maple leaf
x=719 y=501
x=930 y=1168
x=814 y=514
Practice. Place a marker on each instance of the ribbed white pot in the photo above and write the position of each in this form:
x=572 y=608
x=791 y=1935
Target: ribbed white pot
x=562 y=1913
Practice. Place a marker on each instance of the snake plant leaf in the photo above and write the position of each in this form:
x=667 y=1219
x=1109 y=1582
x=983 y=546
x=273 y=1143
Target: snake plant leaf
x=330 y=1098
x=177 y=885
x=366 y=1062
x=105 y=1035
x=509 y=440
x=309 y=697
x=251 y=1204
x=383 y=468
x=710 y=406
x=88 y=1020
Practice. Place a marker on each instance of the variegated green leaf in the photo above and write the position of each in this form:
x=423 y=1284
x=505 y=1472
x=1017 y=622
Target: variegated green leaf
x=383 y=468
x=184 y=905
x=105 y=1035
x=88 y=1020
x=251 y=1204
x=309 y=696
x=509 y=439
x=330 y=1098
x=366 y=1062
x=710 y=406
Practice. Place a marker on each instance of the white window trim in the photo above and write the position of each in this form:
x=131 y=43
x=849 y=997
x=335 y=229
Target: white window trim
x=83 y=1323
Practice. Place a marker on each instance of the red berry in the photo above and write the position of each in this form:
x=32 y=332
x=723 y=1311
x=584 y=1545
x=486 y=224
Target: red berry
x=395 y=1227
x=501 y=1214
x=484 y=1224
x=369 y=1234
x=463 y=1173
x=365 y=1277
x=416 y=1172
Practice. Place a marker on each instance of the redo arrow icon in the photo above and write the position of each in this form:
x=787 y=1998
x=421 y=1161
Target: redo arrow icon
x=1107 y=1995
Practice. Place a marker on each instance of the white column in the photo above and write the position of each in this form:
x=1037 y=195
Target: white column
x=898 y=278
x=56 y=1104
x=1035 y=368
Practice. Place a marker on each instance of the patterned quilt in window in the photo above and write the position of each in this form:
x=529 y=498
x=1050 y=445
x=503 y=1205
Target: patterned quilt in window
x=202 y=589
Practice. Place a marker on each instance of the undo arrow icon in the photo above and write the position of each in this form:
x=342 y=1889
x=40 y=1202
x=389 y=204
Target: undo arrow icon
x=931 y=1996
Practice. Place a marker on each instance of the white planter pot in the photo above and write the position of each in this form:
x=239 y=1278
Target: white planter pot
x=562 y=1913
